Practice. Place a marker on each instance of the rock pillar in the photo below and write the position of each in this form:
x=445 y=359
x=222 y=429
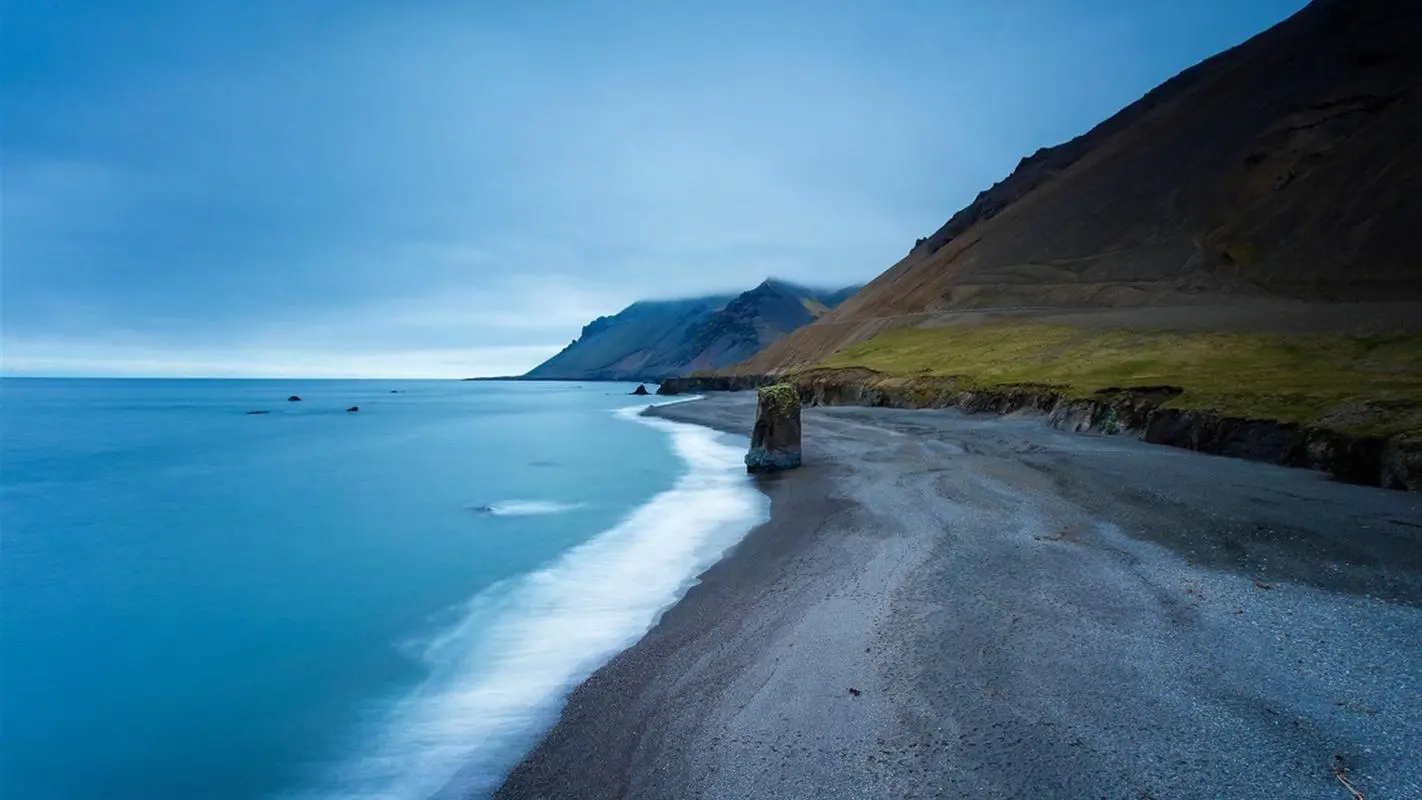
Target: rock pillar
x=775 y=440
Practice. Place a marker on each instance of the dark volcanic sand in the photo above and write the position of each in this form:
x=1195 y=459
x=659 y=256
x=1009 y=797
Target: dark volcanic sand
x=1020 y=613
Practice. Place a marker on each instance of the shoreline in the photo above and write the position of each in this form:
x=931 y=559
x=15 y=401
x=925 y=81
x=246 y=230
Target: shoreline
x=1020 y=612
x=750 y=567
x=500 y=662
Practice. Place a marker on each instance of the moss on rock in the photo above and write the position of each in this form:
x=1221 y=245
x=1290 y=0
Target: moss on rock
x=780 y=399
x=775 y=439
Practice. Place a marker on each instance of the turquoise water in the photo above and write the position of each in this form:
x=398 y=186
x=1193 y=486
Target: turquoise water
x=198 y=602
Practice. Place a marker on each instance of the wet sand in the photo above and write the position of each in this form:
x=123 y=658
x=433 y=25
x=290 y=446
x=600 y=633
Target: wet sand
x=945 y=605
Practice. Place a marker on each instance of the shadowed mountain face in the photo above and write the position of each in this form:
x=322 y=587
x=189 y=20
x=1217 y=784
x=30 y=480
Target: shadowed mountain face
x=654 y=339
x=1286 y=167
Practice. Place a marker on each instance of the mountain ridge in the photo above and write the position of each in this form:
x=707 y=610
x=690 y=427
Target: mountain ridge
x=653 y=339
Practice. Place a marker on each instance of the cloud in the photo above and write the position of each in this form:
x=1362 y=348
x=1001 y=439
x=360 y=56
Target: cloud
x=239 y=182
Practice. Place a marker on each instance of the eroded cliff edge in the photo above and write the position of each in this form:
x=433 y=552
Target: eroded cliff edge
x=1393 y=462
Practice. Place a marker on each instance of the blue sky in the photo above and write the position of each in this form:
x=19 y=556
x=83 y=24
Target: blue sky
x=321 y=188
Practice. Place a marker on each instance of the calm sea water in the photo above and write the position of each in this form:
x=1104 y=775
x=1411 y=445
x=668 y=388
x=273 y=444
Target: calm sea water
x=198 y=602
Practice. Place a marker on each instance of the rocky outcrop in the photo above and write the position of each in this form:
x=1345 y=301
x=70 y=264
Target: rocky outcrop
x=1402 y=463
x=1139 y=411
x=293 y=399
x=775 y=439
x=641 y=390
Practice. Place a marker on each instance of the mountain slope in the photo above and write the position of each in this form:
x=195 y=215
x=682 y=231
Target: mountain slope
x=1282 y=168
x=746 y=325
x=653 y=339
x=616 y=347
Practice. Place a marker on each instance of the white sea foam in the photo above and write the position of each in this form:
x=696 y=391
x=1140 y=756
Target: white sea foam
x=499 y=676
x=526 y=508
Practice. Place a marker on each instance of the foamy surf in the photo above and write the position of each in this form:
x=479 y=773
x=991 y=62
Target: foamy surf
x=499 y=676
x=525 y=508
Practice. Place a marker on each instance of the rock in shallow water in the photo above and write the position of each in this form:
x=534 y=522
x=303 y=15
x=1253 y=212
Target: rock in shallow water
x=775 y=440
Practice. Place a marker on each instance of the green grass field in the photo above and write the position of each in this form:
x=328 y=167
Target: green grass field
x=1360 y=385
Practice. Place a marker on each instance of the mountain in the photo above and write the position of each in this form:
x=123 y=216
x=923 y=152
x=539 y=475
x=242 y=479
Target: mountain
x=649 y=340
x=617 y=346
x=746 y=325
x=1282 y=170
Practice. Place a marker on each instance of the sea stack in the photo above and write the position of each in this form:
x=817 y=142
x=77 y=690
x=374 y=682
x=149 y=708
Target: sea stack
x=775 y=440
x=640 y=390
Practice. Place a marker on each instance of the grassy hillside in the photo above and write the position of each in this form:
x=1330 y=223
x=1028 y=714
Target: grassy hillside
x=1367 y=385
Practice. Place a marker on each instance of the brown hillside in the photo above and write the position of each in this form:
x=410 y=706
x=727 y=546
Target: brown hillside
x=1286 y=169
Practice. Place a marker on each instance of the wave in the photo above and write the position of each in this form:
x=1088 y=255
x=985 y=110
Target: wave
x=499 y=675
x=526 y=508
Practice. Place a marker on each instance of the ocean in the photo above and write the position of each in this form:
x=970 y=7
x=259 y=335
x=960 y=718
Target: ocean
x=308 y=603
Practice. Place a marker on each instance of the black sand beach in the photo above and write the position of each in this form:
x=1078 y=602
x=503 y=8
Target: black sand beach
x=953 y=606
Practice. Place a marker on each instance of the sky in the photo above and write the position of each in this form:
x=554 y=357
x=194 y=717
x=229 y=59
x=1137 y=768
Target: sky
x=449 y=189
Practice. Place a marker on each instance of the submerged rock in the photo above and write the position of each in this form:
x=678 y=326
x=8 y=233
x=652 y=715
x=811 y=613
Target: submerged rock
x=640 y=390
x=253 y=413
x=352 y=409
x=775 y=440
x=293 y=399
